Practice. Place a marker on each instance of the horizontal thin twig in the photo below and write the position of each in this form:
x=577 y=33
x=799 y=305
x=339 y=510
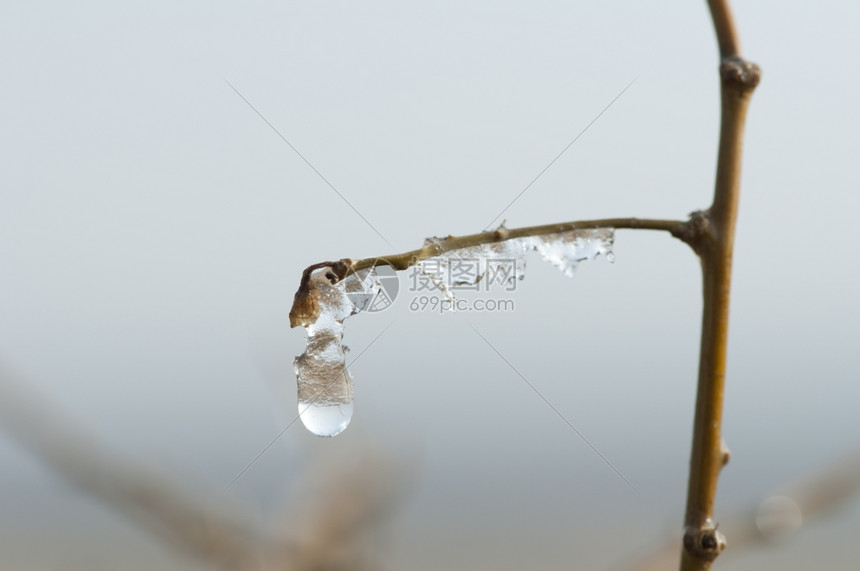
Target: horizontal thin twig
x=445 y=245
x=305 y=310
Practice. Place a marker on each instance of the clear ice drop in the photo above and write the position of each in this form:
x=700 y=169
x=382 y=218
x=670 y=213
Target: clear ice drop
x=325 y=420
x=325 y=386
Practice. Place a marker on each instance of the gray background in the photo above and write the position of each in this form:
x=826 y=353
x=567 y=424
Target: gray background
x=153 y=230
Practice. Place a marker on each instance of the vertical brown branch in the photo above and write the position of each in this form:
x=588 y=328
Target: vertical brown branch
x=715 y=245
x=724 y=25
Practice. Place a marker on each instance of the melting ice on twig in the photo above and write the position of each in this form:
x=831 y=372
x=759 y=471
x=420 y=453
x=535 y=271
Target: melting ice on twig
x=567 y=249
x=504 y=262
x=325 y=385
x=564 y=250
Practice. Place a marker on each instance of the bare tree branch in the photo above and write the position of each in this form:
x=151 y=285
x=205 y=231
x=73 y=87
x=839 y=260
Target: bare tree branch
x=217 y=532
x=347 y=501
x=715 y=246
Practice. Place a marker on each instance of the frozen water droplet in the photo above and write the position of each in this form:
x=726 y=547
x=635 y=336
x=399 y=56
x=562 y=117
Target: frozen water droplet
x=325 y=420
x=325 y=386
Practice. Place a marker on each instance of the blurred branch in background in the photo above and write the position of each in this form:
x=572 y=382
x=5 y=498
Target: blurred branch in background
x=333 y=522
x=783 y=512
x=330 y=534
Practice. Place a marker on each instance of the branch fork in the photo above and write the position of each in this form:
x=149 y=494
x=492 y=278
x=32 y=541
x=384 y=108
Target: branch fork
x=710 y=233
